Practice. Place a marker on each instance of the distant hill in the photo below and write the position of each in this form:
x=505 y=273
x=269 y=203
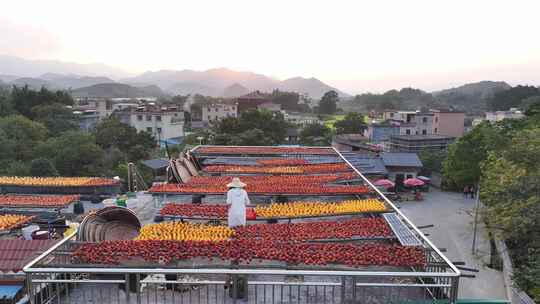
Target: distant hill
x=234 y=90
x=35 y=68
x=191 y=88
x=33 y=83
x=215 y=82
x=117 y=90
x=313 y=86
x=482 y=89
x=73 y=81
x=8 y=78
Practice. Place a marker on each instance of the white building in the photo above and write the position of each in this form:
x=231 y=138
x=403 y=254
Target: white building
x=165 y=124
x=513 y=113
x=404 y=116
x=218 y=111
x=300 y=118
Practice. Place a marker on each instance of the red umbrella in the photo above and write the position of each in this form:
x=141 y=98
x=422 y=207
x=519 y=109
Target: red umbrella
x=413 y=182
x=384 y=183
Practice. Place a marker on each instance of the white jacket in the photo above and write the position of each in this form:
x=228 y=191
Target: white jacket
x=237 y=199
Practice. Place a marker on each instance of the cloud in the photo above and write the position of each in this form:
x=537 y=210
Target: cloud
x=27 y=41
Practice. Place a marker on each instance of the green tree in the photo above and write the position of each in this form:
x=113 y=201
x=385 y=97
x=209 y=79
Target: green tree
x=42 y=167
x=21 y=135
x=111 y=133
x=432 y=161
x=315 y=135
x=253 y=137
x=531 y=105
x=6 y=105
x=351 y=124
x=465 y=155
x=509 y=189
x=24 y=99
x=16 y=168
x=74 y=153
x=273 y=125
x=511 y=98
x=56 y=117
x=328 y=104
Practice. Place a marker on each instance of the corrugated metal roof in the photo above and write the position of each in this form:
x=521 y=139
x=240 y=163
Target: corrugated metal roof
x=8 y=292
x=366 y=164
x=14 y=254
x=401 y=159
x=158 y=163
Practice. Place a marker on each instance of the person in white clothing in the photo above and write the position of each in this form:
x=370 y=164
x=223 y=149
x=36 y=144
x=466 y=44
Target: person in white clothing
x=237 y=199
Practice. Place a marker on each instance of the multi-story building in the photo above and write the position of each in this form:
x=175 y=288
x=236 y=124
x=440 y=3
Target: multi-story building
x=166 y=124
x=448 y=122
x=513 y=113
x=404 y=116
x=417 y=143
x=424 y=123
x=407 y=128
x=381 y=132
x=218 y=111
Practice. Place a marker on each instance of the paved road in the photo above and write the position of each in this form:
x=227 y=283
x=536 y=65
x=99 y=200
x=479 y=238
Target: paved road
x=453 y=218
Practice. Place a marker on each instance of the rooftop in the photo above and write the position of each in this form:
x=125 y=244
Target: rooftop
x=401 y=159
x=14 y=254
x=422 y=137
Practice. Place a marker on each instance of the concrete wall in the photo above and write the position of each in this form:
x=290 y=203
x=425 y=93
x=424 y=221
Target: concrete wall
x=449 y=123
x=219 y=111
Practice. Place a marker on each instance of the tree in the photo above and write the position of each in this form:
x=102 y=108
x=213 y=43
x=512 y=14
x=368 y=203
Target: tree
x=352 y=123
x=511 y=98
x=6 y=105
x=253 y=137
x=21 y=135
x=74 y=153
x=42 y=167
x=273 y=126
x=315 y=135
x=328 y=104
x=509 y=189
x=432 y=161
x=531 y=105
x=112 y=133
x=465 y=155
x=56 y=117
x=24 y=99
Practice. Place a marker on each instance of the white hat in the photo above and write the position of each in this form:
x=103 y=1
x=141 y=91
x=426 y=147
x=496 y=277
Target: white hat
x=236 y=183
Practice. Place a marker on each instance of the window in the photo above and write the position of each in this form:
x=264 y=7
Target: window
x=424 y=132
x=424 y=119
x=409 y=176
x=435 y=131
x=159 y=130
x=408 y=132
x=175 y=114
x=148 y=117
x=158 y=117
x=149 y=129
x=436 y=118
x=392 y=115
x=208 y=109
x=139 y=117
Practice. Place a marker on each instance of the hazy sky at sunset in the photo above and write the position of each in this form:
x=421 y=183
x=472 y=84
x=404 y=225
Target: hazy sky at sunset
x=355 y=45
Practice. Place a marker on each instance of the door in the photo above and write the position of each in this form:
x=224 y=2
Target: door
x=399 y=181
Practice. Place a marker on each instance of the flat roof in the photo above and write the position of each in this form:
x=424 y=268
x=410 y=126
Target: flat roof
x=421 y=137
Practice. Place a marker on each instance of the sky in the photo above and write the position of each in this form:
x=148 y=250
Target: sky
x=356 y=45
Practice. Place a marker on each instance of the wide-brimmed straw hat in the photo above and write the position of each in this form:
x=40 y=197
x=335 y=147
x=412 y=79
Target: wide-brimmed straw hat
x=236 y=183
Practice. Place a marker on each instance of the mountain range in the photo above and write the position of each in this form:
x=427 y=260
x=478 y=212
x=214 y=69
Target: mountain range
x=221 y=82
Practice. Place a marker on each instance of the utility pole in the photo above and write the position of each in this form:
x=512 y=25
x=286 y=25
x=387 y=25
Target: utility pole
x=475 y=225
